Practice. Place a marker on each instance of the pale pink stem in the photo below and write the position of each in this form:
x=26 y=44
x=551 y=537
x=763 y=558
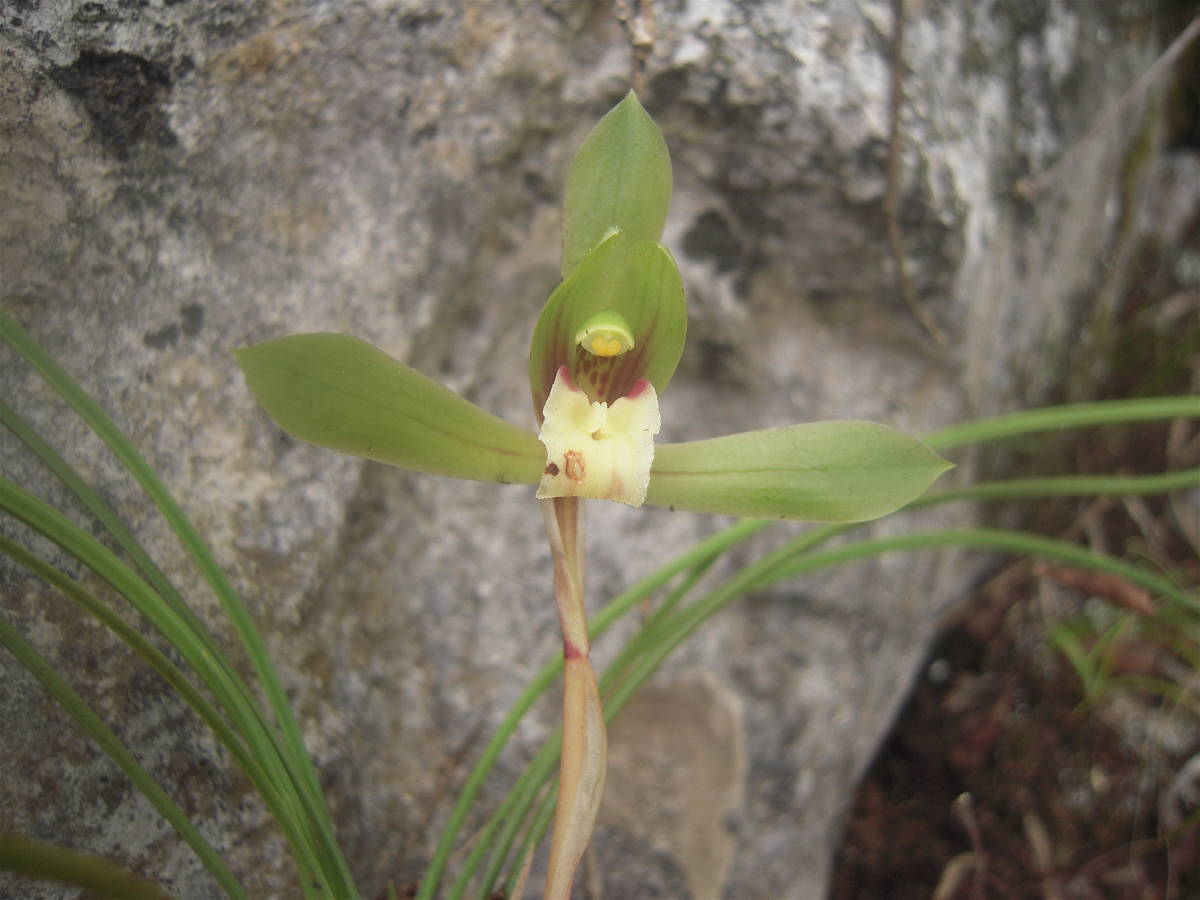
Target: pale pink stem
x=585 y=743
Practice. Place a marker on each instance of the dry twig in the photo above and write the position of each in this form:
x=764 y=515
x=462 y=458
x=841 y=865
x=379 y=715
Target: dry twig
x=891 y=198
x=637 y=19
x=1105 y=585
x=964 y=810
x=1032 y=185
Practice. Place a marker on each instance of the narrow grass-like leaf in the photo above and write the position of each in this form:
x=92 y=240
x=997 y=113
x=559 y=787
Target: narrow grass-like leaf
x=766 y=570
x=1000 y=541
x=147 y=651
x=629 y=675
x=506 y=835
x=707 y=549
x=512 y=808
x=608 y=681
x=326 y=853
x=263 y=743
x=673 y=632
x=113 y=525
x=1092 y=653
x=1175 y=629
x=251 y=764
x=111 y=744
x=1091 y=664
x=539 y=823
x=94 y=503
x=1066 y=486
x=1180 y=695
x=99 y=878
x=168 y=670
x=1064 y=637
x=510 y=815
x=1055 y=418
x=761 y=572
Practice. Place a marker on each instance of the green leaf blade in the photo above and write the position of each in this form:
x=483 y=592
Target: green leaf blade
x=344 y=394
x=99 y=878
x=840 y=471
x=329 y=864
x=620 y=178
x=57 y=686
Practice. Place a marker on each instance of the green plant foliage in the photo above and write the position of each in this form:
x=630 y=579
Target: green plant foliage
x=621 y=286
x=271 y=752
x=1093 y=647
x=99 y=878
x=666 y=629
x=70 y=700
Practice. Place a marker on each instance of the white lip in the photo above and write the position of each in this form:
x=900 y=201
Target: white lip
x=595 y=450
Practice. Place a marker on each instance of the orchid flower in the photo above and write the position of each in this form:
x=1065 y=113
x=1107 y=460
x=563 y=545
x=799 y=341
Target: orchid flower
x=603 y=350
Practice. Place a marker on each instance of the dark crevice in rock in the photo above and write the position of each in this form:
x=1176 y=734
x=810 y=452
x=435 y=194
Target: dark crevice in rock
x=712 y=238
x=1183 y=101
x=162 y=338
x=94 y=13
x=193 y=318
x=122 y=95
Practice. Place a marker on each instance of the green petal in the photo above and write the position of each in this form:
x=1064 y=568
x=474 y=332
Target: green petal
x=620 y=178
x=639 y=281
x=339 y=392
x=843 y=471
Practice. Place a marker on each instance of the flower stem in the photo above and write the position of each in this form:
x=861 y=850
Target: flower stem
x=585 y=743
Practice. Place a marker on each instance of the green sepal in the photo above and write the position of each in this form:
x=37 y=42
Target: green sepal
x=620 y=178
x=342 y=393
x=636 y=279
x=841 y=471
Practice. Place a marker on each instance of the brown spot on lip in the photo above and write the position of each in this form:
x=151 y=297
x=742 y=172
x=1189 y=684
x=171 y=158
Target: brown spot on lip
x=551 y=470
x=575 y=467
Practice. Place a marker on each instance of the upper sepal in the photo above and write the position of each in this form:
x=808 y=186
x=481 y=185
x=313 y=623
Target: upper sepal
x=342 y=393
x=841 y=471
x=637 y=280
x=620 y=178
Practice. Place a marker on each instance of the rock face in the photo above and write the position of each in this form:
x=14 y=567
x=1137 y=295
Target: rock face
x=180 y=179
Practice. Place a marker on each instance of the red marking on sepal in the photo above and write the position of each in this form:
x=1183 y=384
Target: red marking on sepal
x=639 y=388
x=566 y=378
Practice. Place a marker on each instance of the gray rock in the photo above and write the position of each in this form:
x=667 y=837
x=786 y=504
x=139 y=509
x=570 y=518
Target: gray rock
x=182 y=179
